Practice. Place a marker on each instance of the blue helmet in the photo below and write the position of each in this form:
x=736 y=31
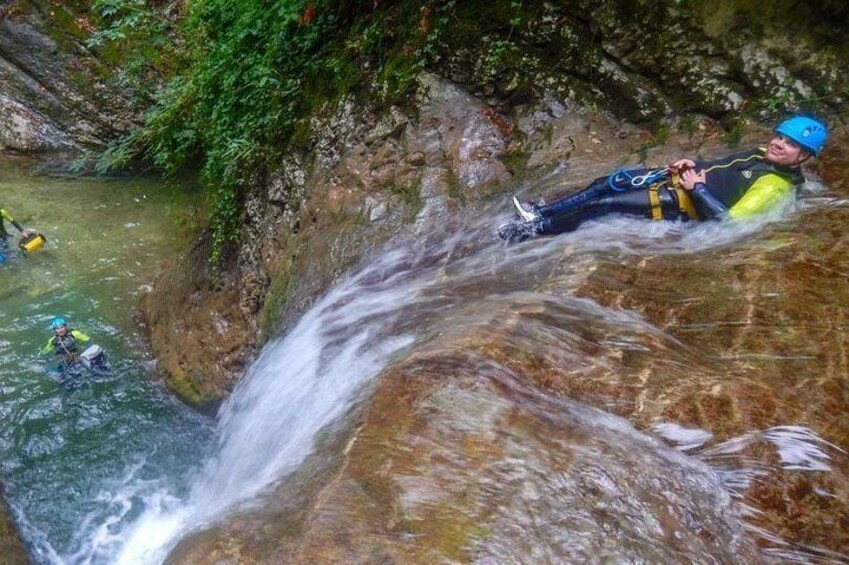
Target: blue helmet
x=58 y=322
x=807 y=132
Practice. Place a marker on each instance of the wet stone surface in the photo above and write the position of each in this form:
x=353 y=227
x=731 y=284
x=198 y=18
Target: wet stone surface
x=633 y=390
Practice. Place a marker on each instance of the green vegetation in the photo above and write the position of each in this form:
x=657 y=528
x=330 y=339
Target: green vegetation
x=237 y=80
x=228 y=85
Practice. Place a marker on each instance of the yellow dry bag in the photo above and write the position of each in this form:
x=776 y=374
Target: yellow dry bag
x=32 y=242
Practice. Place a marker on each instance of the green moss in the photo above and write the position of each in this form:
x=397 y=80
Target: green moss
x=455 y=189
x=410 y=195
x=66 y=20
x=450 y=531
x=734 y=133
x=516 y=162
x=184 y=387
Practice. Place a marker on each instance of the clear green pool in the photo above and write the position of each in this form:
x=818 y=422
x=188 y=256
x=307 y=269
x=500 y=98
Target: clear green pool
x=77 y=465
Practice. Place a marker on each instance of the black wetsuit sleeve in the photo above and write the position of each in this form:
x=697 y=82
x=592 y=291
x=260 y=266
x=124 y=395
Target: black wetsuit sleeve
x=17 y=225
x=709 y=206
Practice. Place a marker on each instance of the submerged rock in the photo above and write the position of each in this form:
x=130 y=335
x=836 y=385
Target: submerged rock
x=10 y=544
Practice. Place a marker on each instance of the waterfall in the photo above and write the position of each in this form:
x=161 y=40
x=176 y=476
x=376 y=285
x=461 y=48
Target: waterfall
x=312 y=376
x=299 y=384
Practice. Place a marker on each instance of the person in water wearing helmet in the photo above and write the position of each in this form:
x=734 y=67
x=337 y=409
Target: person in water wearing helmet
x=737 y=186
x=6 y=217
x=65 y=342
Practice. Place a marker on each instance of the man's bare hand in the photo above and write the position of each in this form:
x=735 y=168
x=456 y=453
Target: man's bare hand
x=681 y=165
x=690 y=178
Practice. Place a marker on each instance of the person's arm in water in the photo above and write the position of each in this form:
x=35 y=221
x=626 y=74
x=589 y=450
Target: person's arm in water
x=80 y=337
x=8 y=217
x=714 y=209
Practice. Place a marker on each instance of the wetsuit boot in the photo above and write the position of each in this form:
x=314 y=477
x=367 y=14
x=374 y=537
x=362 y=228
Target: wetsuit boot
x=516 y=232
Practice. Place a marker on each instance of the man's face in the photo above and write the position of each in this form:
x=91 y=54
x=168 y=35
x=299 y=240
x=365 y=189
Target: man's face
x=784 y=151
x=61 y=330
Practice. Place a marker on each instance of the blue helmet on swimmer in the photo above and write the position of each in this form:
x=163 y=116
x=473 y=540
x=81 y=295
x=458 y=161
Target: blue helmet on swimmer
x=58 y=322
x=809 y=133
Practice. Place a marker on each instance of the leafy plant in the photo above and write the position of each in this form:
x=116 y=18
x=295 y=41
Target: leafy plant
x=244 y=77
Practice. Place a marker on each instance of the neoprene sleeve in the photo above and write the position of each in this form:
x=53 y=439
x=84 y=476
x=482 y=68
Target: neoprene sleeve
x=710 y=206
x=766 y=194
x=7 y=216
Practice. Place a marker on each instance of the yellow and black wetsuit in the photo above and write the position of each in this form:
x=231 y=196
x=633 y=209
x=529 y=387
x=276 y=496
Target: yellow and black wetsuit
x=66 y=346
x=5 y=216
x=737 y=186
x=744 y=185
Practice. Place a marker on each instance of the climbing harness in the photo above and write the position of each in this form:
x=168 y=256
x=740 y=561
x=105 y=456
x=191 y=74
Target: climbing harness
x=68 y=346
x=654 y=181
x=622 y=179
x=677 y=196
x=654 y=200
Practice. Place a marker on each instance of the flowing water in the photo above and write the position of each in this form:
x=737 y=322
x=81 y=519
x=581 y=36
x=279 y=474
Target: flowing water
x=532 y=361
x=448 y=294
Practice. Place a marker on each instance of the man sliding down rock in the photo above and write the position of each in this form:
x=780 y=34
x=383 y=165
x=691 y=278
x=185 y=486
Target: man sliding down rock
x=738 y=186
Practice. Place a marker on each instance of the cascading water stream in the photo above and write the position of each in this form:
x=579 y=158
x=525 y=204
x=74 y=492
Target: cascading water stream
x=312 y=376
x=299 y=385
x=141 y=473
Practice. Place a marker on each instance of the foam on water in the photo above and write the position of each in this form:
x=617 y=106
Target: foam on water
x=299 y=385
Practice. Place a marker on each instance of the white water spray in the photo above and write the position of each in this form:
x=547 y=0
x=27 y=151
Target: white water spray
x=302 y=383
x=299 y=385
